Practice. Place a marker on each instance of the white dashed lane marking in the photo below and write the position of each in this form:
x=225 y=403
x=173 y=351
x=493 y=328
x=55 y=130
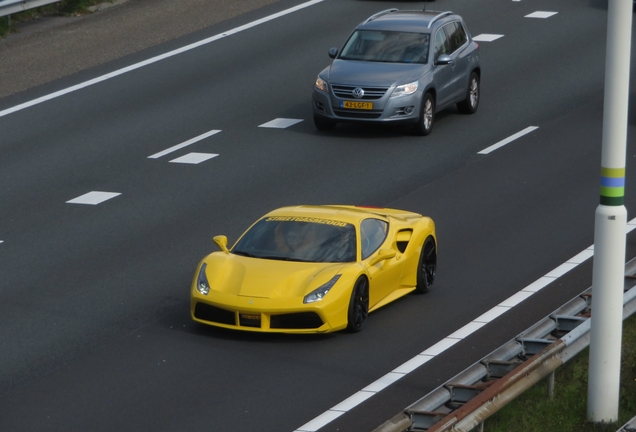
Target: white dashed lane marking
x=508 y=140
x=541 y=14
x=280 y=123
x=93 y=198
x=184 y=144
x=486 y=37
x=194 y=158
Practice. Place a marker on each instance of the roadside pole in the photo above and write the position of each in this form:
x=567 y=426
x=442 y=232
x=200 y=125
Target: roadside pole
x=610 y=224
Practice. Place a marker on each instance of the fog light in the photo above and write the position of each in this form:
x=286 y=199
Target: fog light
x=408 y=110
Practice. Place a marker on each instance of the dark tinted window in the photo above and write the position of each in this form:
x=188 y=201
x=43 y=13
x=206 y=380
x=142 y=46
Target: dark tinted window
x=441 y=43
x=386 y=46
x=456 y=35
x=372 y=235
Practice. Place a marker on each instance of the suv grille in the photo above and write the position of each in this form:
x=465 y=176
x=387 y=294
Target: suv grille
x=370 y=93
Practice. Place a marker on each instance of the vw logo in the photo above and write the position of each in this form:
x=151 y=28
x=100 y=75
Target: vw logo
x=358 y=92
x=251 y=301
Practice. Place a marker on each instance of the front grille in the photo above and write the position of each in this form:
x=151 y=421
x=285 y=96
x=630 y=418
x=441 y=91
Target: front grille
x=370 y=93
x=210 y=313
x=357 y=114
x=300 y=320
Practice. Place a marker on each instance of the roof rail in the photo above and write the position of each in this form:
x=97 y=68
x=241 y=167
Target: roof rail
x=374 y=16
x=440 y=16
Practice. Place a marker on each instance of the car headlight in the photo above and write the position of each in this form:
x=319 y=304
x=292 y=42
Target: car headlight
x=320 y=292
x=321 y=84
x=406 y=89
x=202 y=281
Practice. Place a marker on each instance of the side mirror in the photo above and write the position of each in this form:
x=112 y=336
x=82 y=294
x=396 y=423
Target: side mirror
x=333 y=52
x=221 y=241
x=383 y=254
x=443 y=59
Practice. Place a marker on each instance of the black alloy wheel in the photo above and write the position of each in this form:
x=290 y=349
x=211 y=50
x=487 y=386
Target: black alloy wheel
x=358 y=306
x=426 y=266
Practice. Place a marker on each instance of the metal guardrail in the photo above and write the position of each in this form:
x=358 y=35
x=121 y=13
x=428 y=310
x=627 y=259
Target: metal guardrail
x=8 y=7
x=469 y=398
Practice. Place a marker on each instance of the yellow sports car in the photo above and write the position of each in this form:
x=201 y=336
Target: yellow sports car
x=314 y=269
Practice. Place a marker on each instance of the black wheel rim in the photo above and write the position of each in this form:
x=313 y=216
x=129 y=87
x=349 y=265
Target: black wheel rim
x=361 y=303
x=429 y=263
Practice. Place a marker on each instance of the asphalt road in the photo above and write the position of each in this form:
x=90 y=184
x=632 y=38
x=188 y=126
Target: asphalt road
x=94 y=298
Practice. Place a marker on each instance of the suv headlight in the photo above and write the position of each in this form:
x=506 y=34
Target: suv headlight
x=202 y=281
x=321 y=84
x=320 y=292
x=405 y=89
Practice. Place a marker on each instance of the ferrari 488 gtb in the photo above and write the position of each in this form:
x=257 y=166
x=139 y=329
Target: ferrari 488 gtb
x=314 y=269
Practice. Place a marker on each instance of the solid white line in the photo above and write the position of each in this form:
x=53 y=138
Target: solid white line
x=156 y=59
x=384 y=382
x=508 y=140
x=444 y=344
x=184 y=144
x=353 y=401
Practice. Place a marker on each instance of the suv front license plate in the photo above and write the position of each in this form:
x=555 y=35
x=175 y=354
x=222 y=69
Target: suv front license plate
x=356 y=105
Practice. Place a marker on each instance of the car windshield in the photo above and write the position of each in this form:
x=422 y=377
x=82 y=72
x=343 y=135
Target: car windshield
x=387 y=46
x=299 y=239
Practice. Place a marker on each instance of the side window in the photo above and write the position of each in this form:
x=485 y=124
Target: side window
x=456 y=36
x=441 y=43
x=372 y=234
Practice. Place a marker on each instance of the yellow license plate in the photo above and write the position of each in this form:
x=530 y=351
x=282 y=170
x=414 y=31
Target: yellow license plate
x=357 y=105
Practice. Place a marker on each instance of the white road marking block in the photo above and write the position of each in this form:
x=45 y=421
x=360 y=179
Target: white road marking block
x=280 y=123
x=508 y=140
x=194 y=158
x=184 y=144
x=93 y=198
x=541 y=14
x=485 y=37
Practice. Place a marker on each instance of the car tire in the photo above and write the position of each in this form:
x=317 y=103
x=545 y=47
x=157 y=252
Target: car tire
x=424 y=125
x=323 y=123
x=358 y=311
x=471 y=103
x=426 y=266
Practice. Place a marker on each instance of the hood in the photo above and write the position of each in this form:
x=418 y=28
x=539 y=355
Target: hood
x=262 y=278
x=359 y=73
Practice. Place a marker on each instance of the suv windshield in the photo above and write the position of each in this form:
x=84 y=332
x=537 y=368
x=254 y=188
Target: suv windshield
x=386 y=46
x=299 y=239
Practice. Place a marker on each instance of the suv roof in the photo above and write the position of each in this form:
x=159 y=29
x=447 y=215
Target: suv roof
x=406 y=20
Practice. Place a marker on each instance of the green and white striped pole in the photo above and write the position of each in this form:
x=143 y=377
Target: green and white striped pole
x=610 y=224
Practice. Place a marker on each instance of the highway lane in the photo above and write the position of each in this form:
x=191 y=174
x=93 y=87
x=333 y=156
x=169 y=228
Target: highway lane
x=98 y=328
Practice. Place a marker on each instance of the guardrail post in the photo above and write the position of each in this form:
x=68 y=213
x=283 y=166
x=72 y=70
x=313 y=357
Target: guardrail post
x=551 y=386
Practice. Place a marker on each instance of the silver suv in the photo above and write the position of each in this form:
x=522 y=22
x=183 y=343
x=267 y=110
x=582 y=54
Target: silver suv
x=400 y=66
